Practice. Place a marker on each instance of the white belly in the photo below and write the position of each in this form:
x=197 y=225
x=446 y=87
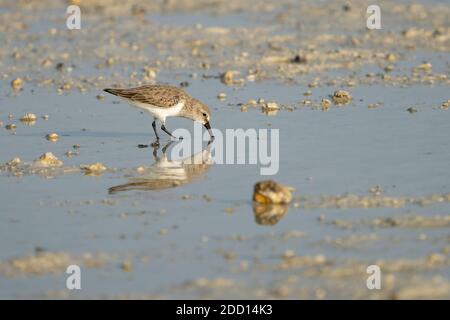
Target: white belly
x=160 y=113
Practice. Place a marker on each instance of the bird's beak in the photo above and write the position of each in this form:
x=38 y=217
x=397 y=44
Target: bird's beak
x=208 y=127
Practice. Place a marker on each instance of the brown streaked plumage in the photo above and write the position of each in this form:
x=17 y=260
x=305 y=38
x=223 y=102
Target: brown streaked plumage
x=164 y=101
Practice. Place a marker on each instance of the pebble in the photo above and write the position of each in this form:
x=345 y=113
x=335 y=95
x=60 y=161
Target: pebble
x=341 y=97
x=17 y=84
x=48 y=159
x=93 y=169
x=127 y=266
x=52 y=137
x=28 y=117
x=325 y=103
x=222 y=96
x=271 y=106
x=271 y=192
x=228 y=77
x=11 y=126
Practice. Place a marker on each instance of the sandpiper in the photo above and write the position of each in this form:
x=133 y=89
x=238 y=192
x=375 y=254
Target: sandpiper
x=164 y=101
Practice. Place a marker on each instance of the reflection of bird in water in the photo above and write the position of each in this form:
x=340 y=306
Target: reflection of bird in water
x=165 y=174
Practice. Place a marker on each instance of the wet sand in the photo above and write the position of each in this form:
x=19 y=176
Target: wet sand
x=370 y=175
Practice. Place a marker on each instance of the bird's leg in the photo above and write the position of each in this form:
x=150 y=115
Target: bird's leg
x=154 y=129
x=156 y=143
x=164 y=149
x=163 y=128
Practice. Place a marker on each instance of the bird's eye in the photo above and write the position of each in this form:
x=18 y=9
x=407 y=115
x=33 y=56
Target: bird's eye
x=204 y=114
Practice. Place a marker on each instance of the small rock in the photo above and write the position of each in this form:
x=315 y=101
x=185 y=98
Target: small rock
x=228 y=77
x=391 y=57
x=11 y=126
x=301 y=59
x=325 y=104
x=229 y=210
x=288 y=254
x=17 y=84
x=425 y=66
x=270 y=192
x=52 y=137
x=93 y=169
x=48 y=159
x=342 y=97
x=28 y=117
x=127 y=266
x=222 y=96
x=411 y=110
x=271 y=106
x=13 y=162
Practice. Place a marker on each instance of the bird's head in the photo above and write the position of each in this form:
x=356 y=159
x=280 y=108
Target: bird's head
x=202 y=114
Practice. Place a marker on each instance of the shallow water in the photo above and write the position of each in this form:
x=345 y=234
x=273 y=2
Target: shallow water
x=172 y=241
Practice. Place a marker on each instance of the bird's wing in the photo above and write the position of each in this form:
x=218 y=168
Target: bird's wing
x=157 y=95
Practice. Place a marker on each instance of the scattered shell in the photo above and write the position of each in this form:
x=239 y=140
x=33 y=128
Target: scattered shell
x=288 y=254
x=48 y=159
x=229 y=210
x=13 y=162
x=66 y=86
x=270 y=192
x=93 y=169
x=445 y=104
x=46 y=63
x=391 y=57
x=411 y=110
x=28 y=117
x=17 y=84
x=326 y=103
x=222 y=96
x=301 y=59
x=127 y=266
x=150 y=73
x=228 y=77
x=52 y=137
x=271 y=106
x=425 y=66
x=342 y=97
x=100 y=97
x=11 y=126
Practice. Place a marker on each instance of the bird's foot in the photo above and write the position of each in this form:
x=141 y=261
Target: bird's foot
x=155 y=144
